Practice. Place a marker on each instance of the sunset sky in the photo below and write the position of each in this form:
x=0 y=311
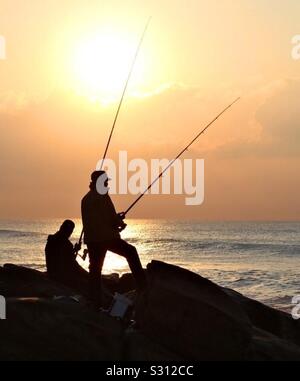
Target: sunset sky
x=66 y=64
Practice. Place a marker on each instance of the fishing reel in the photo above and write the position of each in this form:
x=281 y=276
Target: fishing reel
x=122 y=216
x=85 y=254
x=77 y=248
x=122 y=225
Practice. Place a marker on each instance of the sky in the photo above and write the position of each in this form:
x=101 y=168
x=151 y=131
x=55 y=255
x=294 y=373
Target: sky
x=65 y=68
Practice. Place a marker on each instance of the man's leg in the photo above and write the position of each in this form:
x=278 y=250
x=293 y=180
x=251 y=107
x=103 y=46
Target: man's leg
x=96 y=257
x=121 y=247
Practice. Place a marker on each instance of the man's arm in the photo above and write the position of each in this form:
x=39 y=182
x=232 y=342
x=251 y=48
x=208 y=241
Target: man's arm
x=117 y=218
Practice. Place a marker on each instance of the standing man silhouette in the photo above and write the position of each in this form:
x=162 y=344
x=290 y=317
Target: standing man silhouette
x=102 y=227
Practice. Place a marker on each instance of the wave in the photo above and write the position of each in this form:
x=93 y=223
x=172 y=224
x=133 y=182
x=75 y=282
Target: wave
x=19 y=233
x=151 y=241
x=35 y=266
x=217 y=245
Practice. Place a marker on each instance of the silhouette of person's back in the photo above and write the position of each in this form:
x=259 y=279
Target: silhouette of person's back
x=102 y=227
x=61 y=260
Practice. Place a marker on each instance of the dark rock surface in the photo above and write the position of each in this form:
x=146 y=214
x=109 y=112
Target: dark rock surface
x=41 y=329
x=193 y=315
x=16 y=281
x=268 y=319
x=182 y=316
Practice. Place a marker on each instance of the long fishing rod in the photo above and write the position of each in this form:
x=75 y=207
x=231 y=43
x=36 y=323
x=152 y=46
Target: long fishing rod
x=177 y=157
x=119 y=107
x=124 y=91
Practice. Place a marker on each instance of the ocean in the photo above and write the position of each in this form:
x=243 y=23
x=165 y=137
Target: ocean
x=259 y=259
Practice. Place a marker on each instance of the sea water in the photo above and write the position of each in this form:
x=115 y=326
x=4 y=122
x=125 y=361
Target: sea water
x=259 y=259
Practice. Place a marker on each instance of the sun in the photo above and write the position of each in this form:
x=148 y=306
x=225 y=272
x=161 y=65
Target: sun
x=101 y=64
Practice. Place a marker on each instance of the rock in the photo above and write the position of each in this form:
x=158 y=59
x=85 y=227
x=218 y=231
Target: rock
x=267 y=347
x=186 y=312
x=40 y=329
x=111 y=282
x=18 y=281
x=182 y=316
x=138 y=347
x=126 y=283
x=268 y=319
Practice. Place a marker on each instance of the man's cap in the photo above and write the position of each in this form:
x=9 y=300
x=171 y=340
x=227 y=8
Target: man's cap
x=96 y=174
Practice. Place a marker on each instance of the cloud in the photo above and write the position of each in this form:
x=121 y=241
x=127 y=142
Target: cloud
x=48 y=147
x=11 y=102
x=274 y=130
x=280 y=119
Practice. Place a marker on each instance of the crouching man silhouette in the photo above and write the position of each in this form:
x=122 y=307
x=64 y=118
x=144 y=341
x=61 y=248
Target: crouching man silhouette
x=61 y=259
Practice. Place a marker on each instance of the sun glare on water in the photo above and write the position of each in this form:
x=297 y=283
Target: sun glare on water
x=101 y=63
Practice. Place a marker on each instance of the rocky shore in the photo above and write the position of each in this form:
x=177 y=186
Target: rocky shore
x=182 y=316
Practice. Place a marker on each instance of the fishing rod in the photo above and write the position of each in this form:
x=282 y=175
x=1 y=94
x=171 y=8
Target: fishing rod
x=118 y=111
x=124 y=91
x=123 y=215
